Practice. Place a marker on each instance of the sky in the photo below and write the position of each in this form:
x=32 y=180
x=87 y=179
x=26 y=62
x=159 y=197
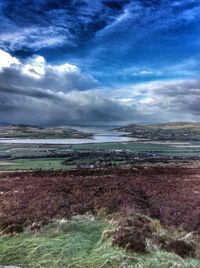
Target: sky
x=99 y=62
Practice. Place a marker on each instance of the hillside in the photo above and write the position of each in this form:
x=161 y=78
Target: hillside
x=142 y=217
x=168 y=194
x=26 y=131
x=167 y=131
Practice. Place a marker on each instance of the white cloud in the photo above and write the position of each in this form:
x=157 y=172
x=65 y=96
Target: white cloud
x=35 y=67
x=36 y=72
x=179 y=98
x=146 y=72
x=6 y=60
x=34 y=37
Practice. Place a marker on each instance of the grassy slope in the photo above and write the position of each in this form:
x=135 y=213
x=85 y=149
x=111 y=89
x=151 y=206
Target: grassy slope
x=21 y=131
x=175 y=125
x=168 y=131
x=78 y=243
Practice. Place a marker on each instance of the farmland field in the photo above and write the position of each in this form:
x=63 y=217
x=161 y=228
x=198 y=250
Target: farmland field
x=54 y=157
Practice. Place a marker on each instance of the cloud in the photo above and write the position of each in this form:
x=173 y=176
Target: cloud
x=33 y=38
x=39 y=24
x=36 y=92
x=179 y=98
x=7 y=60
x=54 y=23
x=138 y=72
x=65 y=108
x=34 y=72
x=150 y=35
x=106 y=37
x=188 y=68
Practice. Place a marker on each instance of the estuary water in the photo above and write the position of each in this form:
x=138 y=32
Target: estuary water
x=102 y=137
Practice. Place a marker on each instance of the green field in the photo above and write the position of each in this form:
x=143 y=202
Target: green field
x=141 y=147
x=33 y=164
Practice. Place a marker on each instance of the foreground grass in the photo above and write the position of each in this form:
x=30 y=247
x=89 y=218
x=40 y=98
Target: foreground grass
x=78 y=243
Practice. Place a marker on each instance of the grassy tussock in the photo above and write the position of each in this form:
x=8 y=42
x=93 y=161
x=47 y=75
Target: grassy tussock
x=78 y=243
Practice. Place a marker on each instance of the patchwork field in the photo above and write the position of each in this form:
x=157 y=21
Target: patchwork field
x=18 y=157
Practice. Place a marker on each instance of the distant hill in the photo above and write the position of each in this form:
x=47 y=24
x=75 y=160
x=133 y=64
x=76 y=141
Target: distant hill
x=165 y=131
x=26 y=131
x=4 y=124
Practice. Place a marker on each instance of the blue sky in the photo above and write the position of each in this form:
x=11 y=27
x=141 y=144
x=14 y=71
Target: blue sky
x=100 y=61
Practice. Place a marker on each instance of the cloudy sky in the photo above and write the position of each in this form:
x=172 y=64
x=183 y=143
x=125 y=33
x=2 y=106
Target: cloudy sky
x=99 y=62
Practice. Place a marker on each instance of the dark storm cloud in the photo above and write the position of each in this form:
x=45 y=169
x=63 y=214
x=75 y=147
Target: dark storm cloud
x=31 y=92
x=75 y=107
